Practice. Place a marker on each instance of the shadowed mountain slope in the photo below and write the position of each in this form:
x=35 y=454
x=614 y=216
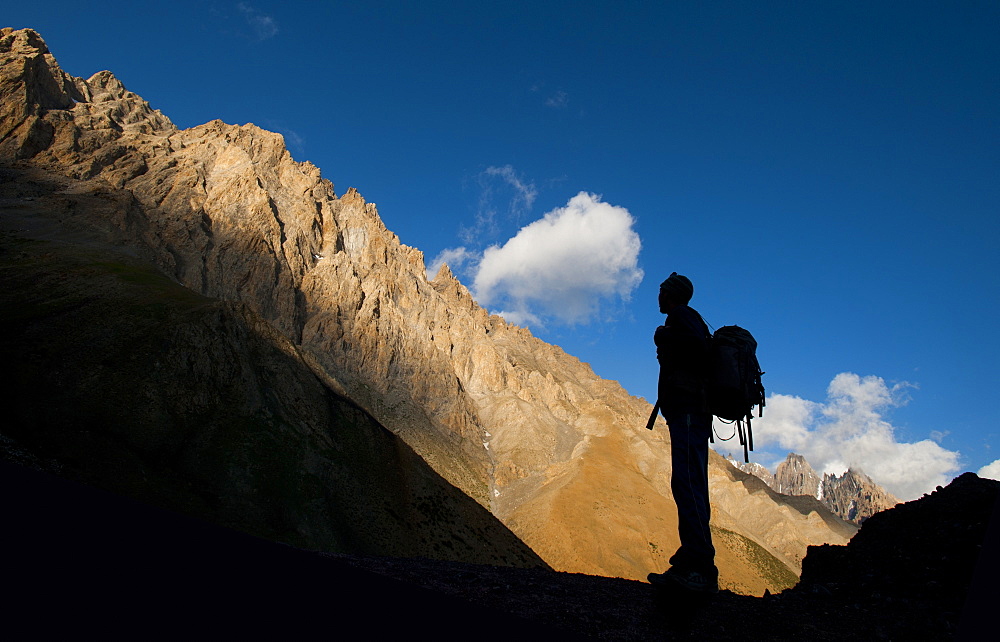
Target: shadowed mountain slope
x=123 y=379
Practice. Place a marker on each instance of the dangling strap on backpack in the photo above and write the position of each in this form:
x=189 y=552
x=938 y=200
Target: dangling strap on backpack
x=652 y=415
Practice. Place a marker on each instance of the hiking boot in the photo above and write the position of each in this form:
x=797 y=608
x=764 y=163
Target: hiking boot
x=693 y=581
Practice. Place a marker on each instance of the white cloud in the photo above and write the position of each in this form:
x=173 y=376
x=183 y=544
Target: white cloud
x=263 y=25
x=939 y=435
x=848 y=430
x=786 y=422
x=563 y=265
x=990 y=471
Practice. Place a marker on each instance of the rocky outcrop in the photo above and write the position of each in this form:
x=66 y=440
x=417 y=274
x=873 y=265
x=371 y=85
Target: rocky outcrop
x=37 y=99
x=531 y=433
x=855 y=496
x=917 y=559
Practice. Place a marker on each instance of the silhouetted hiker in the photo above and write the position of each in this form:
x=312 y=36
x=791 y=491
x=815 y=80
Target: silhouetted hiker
x=682 y=350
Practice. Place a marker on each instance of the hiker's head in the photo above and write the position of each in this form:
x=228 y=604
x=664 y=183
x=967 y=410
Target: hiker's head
x=676 y=290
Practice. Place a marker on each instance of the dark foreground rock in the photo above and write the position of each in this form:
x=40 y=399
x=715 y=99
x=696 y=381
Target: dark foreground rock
x=83 y=560
x=79 y=560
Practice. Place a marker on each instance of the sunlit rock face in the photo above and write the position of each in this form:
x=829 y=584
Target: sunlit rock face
x=559 y=455
x=795 y=476
x=855 y=496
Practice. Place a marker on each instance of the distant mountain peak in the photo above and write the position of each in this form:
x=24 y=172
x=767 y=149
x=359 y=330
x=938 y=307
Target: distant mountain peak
x=853 y=496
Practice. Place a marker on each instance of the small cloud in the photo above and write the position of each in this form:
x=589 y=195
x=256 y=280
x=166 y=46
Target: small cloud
x=990 y=471
x=849 y=430
x=558 y=100
x=264 y=26
x=525 y=192
x=500 y=188
x=563 y=265
x=939 y=435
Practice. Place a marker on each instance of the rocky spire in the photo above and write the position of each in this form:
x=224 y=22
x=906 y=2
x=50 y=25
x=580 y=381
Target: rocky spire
x=795 y=476
x=855 y=496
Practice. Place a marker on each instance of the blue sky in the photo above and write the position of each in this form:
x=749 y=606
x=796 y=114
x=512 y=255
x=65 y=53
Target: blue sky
x=825 y=174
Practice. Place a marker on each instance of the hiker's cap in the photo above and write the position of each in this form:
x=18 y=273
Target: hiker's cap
x=678 y=288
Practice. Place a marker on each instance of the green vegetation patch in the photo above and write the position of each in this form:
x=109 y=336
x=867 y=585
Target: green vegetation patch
x=770 y=567
x=155 y=285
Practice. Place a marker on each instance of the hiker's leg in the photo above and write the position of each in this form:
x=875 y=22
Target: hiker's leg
x=689 y=484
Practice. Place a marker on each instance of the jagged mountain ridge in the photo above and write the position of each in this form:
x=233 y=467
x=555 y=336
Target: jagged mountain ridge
x=853 y=496
x=523 y=428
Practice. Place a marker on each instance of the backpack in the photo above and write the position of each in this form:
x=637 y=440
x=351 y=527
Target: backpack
x=734 y=385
